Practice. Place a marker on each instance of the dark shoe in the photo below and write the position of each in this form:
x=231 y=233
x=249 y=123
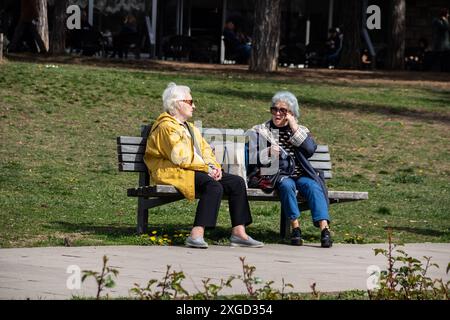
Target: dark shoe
x=325 y=238
x=296 y=237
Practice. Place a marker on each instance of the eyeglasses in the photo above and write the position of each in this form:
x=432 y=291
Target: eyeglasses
x=282 y=111
x=189 y=102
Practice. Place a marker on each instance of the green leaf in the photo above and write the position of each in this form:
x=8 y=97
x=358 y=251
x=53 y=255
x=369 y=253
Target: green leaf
x=378 y=251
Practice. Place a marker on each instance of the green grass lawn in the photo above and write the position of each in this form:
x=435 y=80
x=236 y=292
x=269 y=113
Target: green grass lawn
x=59 y=176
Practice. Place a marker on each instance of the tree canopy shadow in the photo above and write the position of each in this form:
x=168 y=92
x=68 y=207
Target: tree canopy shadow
x=240 y=93
x=326 y=75
x=310 y=75
x=112 y=230
x=380 y=109
x=171 y=229
x=421 y=231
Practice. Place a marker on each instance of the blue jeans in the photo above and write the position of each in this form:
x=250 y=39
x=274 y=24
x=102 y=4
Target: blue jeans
x=310 y=190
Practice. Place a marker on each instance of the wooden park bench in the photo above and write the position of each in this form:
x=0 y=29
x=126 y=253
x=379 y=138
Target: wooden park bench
x=130 y=156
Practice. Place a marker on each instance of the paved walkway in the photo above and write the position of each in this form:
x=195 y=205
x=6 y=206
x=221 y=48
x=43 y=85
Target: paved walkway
x=41 y=273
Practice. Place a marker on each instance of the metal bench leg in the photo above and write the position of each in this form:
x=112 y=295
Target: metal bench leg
x=285 y=226
x=142 y=216
x=142 y=211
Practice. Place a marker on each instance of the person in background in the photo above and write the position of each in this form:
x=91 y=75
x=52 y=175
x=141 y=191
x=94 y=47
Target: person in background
x=237 y=44
x=441 y=40
x=127 y=38
x=366 y=61
x=333 y=47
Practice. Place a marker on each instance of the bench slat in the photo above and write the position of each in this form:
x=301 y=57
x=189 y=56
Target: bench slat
x=131 y=157
x=139 y=141
x=321 y=165
x=131 y=140
x=128 y=148
x=140 y=167
x=133 y=148
x=322 y=149
x=139 y=157
x=132 y=167
x=320 y=157
x=348 y=195
x=219 y=131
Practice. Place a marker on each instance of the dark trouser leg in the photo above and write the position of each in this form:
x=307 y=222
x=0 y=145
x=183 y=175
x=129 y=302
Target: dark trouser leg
x=210 y=193
x=17 y=36
x=234 y=188
x=446 y=61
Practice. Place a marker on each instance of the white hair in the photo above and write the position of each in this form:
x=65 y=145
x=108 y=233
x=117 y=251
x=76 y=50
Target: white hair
x=288 y=98
x=172 y=94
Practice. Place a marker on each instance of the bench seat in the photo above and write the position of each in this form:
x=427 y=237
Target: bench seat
x=162 y=190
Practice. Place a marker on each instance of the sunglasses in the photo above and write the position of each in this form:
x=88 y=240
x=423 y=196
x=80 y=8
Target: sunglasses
x=189 y=102
x=282 y=111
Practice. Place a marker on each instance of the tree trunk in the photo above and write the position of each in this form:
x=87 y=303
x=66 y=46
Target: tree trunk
x=351 y=48
x=266 y=36
x=1 y=47
x=396 y=41
x=58 y=36
x=42 y=26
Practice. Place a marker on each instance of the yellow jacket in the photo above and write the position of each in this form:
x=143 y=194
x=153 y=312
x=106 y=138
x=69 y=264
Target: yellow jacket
x=169 y=155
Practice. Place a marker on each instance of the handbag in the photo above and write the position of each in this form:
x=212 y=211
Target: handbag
x=286 y=167
x=231 y=155
x=268 y=183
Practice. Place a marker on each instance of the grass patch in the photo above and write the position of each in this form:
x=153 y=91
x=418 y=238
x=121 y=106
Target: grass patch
x=59 y=180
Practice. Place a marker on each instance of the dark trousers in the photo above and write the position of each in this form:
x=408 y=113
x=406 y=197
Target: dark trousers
x=210 y=193
x=441 y=61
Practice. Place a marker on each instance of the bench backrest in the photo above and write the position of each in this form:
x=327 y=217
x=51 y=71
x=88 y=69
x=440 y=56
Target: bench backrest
x=131 y=150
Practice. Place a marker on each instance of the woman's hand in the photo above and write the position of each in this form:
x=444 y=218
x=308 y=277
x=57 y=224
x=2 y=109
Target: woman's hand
x=292 y=121
x=274 y=151
x=216 y=174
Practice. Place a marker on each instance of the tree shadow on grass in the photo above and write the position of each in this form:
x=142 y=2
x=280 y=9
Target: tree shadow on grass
x=421 y=231
x=380 y=109
x=113 y=231
x=268 y=236
x=318 y=74
x=218 y=233
x=240 y=93
x=119 y=231
x=322 y=75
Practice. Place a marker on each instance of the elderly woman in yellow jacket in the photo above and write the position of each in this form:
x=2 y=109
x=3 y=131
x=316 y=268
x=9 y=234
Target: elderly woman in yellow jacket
x=177 y=154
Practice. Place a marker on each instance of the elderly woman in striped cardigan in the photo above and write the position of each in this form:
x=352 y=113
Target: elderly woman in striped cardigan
x=284 y=138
